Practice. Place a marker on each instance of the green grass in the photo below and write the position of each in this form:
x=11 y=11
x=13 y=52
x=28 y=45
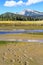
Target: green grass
x=7 y=42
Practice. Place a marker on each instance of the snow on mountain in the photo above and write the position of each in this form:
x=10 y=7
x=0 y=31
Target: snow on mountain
x=30 y=12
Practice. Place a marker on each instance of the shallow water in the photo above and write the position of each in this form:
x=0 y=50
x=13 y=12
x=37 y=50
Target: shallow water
x=22 y=40
x=20 y=31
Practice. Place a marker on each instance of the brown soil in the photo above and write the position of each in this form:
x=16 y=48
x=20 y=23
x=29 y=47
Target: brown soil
x=21 y=54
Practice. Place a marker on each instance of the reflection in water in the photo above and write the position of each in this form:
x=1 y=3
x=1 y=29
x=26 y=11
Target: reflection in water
x=20 y=31
x=22 y=40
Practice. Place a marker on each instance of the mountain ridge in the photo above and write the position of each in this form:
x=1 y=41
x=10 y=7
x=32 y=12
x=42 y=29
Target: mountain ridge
x=24 y=15
x=29 y=12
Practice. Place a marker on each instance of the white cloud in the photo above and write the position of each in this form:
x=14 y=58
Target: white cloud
x=29 y=2
x=20 y=2
x=11 y=3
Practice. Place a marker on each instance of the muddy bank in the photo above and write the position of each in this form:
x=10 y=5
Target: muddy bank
x=21 y=54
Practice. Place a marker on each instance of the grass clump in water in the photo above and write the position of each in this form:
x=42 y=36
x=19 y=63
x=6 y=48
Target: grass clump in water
x=7 y=42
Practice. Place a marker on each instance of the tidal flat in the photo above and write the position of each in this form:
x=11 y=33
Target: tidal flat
x=21 y=53
x=22 y=36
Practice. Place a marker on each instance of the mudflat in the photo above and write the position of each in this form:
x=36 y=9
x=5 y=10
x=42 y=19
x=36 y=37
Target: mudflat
x=22 y=36
x=21 y=53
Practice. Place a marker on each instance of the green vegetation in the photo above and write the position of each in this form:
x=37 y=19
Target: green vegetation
x=4 y=42
x=13 y=17
x=7 y=42
x=16 y=17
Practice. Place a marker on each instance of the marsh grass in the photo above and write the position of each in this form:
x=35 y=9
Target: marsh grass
x=9 y=25
x=8 y=42
x=36 y=33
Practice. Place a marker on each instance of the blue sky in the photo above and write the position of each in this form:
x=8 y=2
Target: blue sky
x=19 y=5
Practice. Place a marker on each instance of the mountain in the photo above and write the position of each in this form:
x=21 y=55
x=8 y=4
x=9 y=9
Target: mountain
x=9 y=14
x=25 y=15
x=12 y=16
x=31 y=13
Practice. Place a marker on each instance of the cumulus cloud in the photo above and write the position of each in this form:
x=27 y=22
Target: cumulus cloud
x=20 y=2
x=11 y=3
x=33 y=2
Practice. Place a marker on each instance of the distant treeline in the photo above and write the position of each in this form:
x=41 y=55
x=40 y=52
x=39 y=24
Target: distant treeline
x=14 y=17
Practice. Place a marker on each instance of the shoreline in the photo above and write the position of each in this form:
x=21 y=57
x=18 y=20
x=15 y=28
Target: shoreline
x=22 y=40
